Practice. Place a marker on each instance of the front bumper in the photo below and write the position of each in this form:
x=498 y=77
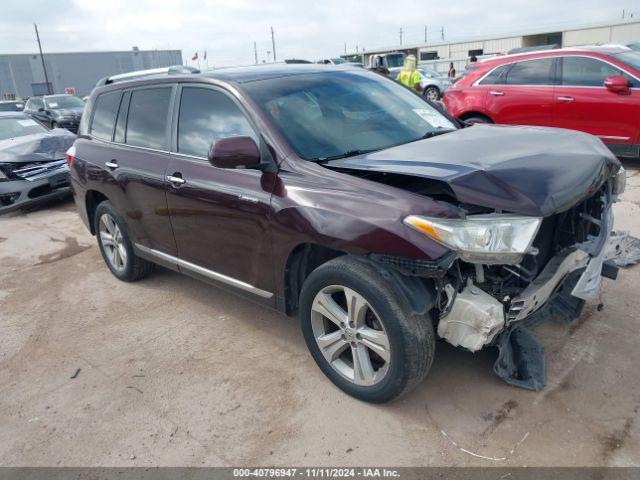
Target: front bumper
x=17 y=194
x=538 y=293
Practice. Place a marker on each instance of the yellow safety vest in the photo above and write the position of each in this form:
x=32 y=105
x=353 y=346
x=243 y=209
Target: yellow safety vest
x=408 y=78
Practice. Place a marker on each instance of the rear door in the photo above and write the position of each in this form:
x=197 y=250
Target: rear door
x=219 y=216
x=522 y=93
x=582 y=102
x=133 y=156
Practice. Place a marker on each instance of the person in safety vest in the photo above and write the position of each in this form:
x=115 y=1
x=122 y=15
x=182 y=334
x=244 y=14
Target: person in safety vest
x=409 y=76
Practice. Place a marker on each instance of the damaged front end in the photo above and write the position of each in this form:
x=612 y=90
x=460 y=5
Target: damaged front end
x=513 y=272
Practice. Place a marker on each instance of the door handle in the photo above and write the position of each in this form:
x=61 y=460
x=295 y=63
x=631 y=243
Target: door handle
x=176 y=179
x=566 y=99
x=496 y=93
x=112 y=164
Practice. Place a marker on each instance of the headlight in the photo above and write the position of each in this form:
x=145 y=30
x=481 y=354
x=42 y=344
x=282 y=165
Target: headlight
x=620 y=182
x=488 y=239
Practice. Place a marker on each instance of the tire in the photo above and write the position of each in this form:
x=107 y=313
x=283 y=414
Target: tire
x=432 y=93
x=118 y=254
x=477 y=119
x=410 y=339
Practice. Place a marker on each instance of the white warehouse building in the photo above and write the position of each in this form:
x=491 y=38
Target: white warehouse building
x=438 y=55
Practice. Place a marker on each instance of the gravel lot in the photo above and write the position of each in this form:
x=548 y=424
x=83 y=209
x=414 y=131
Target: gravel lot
x=171 y=371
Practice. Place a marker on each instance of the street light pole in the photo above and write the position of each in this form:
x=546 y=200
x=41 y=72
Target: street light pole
x=273 y=44
x=46 y=78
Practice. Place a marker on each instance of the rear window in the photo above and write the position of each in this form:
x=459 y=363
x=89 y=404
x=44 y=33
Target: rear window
x=530 y=72
x=104 y=115
x=147 y=120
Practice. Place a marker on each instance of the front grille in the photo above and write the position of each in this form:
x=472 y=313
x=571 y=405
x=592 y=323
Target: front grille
x=36 y=170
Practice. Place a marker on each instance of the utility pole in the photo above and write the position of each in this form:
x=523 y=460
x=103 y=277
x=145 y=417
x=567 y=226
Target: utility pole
x=425 y=34
x=255 y=51
x=400 y=36
x=345 y=48
x=273 y=44
x=46 y=78
x=442 y=33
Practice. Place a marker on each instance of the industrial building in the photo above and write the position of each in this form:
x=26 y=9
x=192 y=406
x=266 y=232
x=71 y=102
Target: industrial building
x=438 y=55
x=23 y=75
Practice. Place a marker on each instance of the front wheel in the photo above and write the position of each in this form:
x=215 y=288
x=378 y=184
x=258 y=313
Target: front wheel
x=360 y=333
x=432 y=94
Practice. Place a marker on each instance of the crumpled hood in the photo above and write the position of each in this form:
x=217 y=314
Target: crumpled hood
x=528 y=170
x=38 y=147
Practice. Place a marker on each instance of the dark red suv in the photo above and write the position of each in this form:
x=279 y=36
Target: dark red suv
x=336 y=194
x=593 y=89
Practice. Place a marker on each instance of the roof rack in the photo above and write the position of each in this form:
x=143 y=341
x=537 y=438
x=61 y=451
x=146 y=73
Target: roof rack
x=174 y=70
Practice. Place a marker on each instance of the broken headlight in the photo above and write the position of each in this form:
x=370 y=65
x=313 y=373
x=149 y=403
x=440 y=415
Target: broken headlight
x=620 y=182
x=488 y=239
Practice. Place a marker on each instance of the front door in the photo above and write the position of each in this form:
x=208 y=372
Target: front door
x=582 y=102
x=525 y=95
x=219 y=216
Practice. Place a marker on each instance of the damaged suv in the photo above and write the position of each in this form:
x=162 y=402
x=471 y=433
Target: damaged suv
x=344 y=198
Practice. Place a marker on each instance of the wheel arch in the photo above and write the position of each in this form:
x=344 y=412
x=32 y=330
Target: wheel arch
x=92 y=199
x=474 y=113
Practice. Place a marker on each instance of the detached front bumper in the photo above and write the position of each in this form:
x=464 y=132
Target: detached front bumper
x=35 y=188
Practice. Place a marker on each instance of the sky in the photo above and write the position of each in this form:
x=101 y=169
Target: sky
x=311 y=30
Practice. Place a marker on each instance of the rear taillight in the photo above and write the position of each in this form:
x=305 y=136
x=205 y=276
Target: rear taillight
x=70 y=153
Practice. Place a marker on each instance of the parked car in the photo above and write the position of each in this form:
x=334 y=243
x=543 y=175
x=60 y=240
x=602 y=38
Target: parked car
x=339 y=196
x=56 y=111
x=11 y=105
x=432 y=83
x=33 y=164
x=592 y=89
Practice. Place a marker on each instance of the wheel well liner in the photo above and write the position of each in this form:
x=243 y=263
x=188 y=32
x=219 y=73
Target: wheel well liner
x=93 y=198
x=467 y=115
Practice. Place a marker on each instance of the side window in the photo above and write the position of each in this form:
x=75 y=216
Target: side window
x=205 y=116
x=147 y=119
x=497 y=76
x=586 y=72
x=104 y=114
x=530 y=72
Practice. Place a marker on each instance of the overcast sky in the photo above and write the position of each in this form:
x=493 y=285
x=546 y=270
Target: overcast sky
x=303 y=29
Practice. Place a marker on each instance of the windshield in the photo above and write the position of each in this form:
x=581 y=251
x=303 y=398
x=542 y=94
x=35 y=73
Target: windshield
x=395 y=60
x=631 y=58
x=11 y=106
x=64 y=101
x=338 y=61
x=13 y=127
x=336 y=114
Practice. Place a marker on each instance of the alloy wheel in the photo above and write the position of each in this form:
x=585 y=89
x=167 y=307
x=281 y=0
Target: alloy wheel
x=113 y=242
x=432 y=94
x=350 y=335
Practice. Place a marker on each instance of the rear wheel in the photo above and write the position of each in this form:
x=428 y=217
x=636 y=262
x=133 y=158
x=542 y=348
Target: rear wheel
x=115 y=245
x=360 y=333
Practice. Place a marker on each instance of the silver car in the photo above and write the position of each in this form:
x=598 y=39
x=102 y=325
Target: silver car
x=432 y=83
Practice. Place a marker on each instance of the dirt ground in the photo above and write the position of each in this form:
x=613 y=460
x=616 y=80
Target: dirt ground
x=170 y=371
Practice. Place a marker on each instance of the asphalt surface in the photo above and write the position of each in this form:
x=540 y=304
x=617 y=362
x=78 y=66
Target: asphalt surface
x=170 y=371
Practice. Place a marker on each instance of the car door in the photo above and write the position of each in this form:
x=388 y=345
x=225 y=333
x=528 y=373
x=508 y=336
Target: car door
x=582 y=102
x=33 y=108
x=219 y=216
x=522 y=94
x=136 y=161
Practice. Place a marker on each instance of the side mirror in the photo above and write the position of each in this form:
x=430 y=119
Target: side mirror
x=235 y=152
x=617 y=84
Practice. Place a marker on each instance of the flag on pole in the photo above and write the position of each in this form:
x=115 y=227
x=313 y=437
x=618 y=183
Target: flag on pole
x=195 y=57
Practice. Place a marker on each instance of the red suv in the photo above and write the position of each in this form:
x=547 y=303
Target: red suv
x=592 y=89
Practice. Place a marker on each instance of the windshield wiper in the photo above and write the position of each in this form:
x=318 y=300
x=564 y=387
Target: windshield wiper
x=350 y=153
x=435 y=133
